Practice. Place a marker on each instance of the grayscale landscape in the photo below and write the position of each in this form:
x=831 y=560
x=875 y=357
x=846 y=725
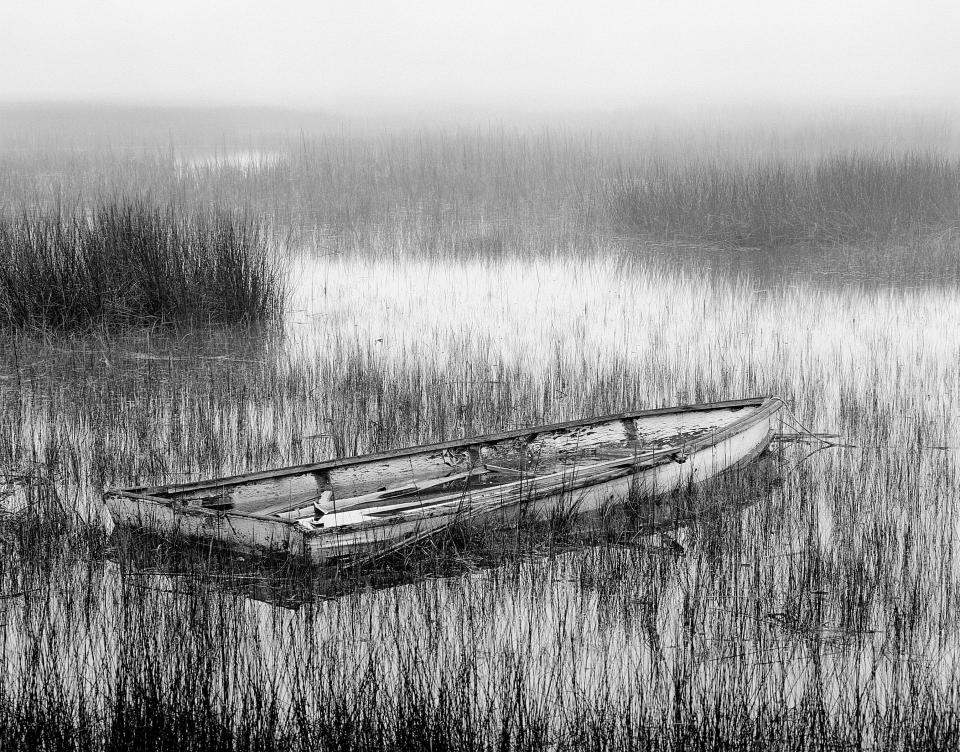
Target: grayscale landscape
x=194 y=288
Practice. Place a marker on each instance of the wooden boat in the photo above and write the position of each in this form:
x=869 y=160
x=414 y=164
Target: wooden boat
x=360 y=505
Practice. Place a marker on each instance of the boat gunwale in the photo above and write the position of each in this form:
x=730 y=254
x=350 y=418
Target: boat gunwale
x=764 y=407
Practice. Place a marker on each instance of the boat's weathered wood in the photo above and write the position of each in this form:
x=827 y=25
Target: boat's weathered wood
x=604 y=453
x=509 y=493
x=561 y=441
x=362 y=479
x=438 y=484
x=288 y=498
x=250 y=497
x=290 y=502
x=502 y=469
x=296 y=509
x=705 y=461
x=239 y=531
x=454 y=444
x=534 y=451
x=394 y=494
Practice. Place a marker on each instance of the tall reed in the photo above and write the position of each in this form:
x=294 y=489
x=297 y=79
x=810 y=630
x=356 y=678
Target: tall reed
x=819 y=614
x=840 y=199
x=128 y=262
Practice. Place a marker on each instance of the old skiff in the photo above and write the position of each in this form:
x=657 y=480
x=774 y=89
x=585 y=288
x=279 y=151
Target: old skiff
x=361 y=504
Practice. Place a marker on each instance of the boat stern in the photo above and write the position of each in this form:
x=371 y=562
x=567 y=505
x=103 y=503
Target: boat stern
x=242 y=532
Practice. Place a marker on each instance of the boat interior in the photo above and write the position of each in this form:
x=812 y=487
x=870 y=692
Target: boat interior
x=434 y=474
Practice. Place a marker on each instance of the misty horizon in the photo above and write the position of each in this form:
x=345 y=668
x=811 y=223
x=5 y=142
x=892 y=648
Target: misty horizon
x=531 y=57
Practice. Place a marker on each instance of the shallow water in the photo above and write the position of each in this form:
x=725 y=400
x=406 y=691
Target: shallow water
x=841 y=583
x=240 y=159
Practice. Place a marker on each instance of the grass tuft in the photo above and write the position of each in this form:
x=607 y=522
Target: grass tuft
x=132 y=263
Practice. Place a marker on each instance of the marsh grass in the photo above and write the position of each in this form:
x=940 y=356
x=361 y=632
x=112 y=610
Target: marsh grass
x=781 y=617
x=866 y=200
x=822 y=613
x=840 y=200
x=129 y=263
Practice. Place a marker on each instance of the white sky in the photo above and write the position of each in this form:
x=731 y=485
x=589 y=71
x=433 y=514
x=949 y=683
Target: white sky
x=581 y=54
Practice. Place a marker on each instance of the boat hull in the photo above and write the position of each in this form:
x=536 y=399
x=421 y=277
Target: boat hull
x=644 y=486
x=730 y=434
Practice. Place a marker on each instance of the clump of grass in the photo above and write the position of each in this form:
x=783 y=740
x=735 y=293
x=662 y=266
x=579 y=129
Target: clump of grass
x=847 y=198
x=128 y=262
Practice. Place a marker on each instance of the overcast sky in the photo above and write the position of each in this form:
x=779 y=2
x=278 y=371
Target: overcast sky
x=581 y=54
